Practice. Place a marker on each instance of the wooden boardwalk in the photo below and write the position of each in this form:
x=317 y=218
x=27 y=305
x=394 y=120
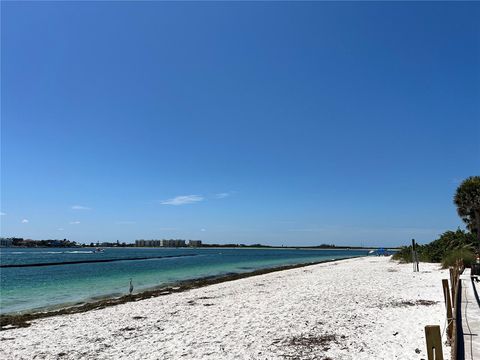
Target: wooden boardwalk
x=470 y=313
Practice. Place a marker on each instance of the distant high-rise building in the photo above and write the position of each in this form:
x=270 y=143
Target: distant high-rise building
x=4 y=242
x=160 y=243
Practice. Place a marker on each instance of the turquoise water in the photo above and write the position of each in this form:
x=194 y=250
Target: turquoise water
x=25 y=289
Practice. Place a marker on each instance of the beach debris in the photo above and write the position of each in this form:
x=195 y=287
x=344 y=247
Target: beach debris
x=193 y=302
x=139 y=317
x=426 y=302
x=127 y=328
x=309 y=345
x=9 y=326
x=5 y=338
x=418 y=351
x=395 y=333
x=405 y=303
x=13 y=322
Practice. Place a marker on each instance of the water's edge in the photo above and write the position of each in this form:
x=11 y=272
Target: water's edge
x=11 y=321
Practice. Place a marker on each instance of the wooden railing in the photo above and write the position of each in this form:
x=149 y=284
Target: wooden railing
x=457 y=336
x=452 y=296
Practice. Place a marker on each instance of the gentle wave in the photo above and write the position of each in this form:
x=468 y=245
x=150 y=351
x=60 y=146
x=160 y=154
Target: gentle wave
x=78 y=252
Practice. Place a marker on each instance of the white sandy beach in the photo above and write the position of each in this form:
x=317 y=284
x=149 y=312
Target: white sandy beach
x=350 y=309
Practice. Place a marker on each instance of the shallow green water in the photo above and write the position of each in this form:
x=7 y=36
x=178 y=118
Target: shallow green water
x=28 y=288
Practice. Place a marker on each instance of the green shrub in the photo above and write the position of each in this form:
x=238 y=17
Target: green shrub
x=466 y=255
x=447 y=246
x=404 y=255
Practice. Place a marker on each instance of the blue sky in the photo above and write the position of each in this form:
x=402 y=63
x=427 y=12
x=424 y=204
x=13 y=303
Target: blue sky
x=278 y=123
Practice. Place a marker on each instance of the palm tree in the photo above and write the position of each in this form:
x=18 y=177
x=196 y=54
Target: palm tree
x=467 y=200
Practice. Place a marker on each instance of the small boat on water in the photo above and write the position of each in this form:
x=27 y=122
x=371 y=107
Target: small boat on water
x=98 y=250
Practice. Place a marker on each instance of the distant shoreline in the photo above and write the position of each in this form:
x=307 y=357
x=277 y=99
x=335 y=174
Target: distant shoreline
x=11 y=321
x=210 y=247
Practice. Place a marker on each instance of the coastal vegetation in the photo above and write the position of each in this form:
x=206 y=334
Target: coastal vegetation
x=459 y=244
x=29 y=243
x=467 y=200
x=450 y=246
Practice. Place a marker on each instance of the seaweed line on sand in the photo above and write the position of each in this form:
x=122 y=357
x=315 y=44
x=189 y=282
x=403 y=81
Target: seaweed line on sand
x=12 y=321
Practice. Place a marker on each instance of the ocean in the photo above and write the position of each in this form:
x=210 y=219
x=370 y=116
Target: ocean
x=34 y=288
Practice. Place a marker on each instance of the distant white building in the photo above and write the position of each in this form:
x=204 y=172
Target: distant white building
x=160 y=243
x=4 y=242
x=173 y=243
x=164 y=243
x=195 y=243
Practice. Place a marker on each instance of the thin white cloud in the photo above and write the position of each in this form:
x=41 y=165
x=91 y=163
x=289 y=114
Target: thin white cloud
x=60 y=229
x=203 y=230
x=223 y=195
x=2 y=213
x=74 y=222
x=25 y=221
x=80 y=207
x=183 y=200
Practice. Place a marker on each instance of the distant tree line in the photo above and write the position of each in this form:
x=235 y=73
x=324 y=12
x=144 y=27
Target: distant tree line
x=21 y=242
x=322 y=246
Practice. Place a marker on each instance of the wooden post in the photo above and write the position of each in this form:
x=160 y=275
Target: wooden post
x=434 y=342
x=455 y=340
x=448 y=306
x=452 y=282
x=414 y=256
x=416 y=260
